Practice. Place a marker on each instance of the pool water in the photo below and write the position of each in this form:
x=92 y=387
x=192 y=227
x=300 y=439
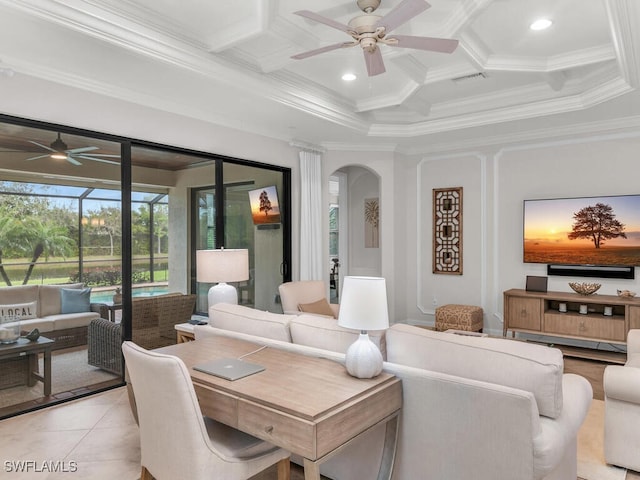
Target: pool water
x=107 y=295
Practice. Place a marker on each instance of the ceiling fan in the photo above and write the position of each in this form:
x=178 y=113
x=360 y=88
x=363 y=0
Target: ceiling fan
x=369 y=31
x=60 y=151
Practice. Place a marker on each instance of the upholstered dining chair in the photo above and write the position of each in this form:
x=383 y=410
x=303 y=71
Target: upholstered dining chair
x=176 y=441
x=311 y=294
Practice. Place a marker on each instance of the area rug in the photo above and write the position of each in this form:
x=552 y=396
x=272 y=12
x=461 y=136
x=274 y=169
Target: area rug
x=591 y=464
x=69 y=371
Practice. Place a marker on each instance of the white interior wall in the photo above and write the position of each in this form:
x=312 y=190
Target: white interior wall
x=496 y=181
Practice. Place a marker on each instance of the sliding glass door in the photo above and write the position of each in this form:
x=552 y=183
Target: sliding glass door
x=247 y=211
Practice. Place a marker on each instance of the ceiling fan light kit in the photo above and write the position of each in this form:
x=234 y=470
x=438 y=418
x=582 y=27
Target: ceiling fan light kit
x=369 y=30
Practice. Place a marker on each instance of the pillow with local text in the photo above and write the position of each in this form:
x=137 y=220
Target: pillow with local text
x=23 y=310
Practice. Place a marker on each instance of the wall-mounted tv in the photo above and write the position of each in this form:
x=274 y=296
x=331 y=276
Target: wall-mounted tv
x=585 y=231
x=265 y=209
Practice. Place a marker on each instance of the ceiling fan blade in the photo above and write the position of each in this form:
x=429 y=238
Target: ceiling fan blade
x=36 y=158
x=404 y=12
x=105 y=155
x=93 y=159
x=443 y=45
x=375 y=65
x=324 y=20
x=81 y=150
x=72 y=160
x=46 y=147
x=328 y=48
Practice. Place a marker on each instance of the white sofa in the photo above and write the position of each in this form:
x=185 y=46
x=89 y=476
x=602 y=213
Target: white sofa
x=473 y=407
x=622 y=408
x=40 y=306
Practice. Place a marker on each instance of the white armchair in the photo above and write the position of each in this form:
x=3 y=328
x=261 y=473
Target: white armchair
x=622 y=408
x=306 y=292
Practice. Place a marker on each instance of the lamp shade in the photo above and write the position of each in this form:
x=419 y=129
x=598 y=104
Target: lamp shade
x=363 y=304
x=222 y=265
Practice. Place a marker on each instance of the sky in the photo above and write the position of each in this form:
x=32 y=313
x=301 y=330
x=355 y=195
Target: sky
x=551 y=220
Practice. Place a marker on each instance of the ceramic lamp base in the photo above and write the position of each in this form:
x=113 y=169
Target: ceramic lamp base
x=363 y=359
x=222 y=293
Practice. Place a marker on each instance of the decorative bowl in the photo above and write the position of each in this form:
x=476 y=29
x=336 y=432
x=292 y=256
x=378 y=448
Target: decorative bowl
x=626 y=293
x=584 y=288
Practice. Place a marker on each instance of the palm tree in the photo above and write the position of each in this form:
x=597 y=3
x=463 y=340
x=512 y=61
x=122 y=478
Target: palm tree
x=44 y=238
x=7 y=228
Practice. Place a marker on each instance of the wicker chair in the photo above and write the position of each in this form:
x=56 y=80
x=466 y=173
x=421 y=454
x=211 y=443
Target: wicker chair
x=153 y=321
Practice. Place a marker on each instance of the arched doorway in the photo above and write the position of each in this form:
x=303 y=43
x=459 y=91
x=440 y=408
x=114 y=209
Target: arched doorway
x=354 y=225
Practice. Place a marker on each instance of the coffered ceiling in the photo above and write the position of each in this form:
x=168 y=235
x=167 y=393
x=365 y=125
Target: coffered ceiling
x=229 y=62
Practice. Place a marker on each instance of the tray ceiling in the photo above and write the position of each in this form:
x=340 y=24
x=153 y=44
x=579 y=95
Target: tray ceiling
x=228 y=62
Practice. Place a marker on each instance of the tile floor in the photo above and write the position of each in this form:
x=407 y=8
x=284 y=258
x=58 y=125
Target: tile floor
x=96 y=435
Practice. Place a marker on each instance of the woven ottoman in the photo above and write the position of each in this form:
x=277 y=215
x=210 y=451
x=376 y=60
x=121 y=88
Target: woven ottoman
x=459 y=317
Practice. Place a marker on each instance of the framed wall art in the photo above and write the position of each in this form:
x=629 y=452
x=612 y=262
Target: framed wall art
x=371 y=222
x=447 y=230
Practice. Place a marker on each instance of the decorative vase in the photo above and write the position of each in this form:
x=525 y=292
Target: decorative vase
x=117 y=297
x=9 y=329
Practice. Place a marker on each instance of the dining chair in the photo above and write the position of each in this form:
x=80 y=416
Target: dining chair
x=176 y=441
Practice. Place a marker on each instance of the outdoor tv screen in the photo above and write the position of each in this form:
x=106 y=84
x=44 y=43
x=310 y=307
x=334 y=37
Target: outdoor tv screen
x=265 y=208
x=602 y=231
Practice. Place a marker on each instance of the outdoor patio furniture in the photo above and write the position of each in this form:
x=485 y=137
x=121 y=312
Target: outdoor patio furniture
x=153 y=321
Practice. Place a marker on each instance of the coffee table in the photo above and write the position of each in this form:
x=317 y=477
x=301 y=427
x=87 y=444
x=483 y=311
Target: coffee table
x=31 y=349
x=307 y=405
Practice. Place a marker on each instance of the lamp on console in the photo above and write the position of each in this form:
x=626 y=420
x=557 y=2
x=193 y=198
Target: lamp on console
x=221 y=266
x=363 y=306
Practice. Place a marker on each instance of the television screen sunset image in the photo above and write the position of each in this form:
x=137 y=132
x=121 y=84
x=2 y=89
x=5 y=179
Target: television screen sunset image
x=583 y=231
x=265 y=208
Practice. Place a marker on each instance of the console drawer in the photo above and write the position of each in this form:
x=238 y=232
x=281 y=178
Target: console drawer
x=597 y=327
x=290 y=433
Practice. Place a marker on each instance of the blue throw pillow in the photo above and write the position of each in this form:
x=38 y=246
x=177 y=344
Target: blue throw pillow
x=75 y=300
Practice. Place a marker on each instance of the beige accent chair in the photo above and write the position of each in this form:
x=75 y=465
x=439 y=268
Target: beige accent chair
x=293 y=294
x=622 y=408
x=176 y=441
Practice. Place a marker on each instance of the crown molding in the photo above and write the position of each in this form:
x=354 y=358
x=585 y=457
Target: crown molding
x=617 y=128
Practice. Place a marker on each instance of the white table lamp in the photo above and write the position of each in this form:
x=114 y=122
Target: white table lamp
x=363 y=306
x=221 y=266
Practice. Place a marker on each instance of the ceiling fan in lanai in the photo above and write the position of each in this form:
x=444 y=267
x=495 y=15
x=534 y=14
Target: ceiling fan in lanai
x=59 y=150
x=369 y=31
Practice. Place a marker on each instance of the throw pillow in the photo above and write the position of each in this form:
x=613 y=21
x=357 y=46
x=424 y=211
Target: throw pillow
x=75 y=300
x=319 y=307
x=23 y=310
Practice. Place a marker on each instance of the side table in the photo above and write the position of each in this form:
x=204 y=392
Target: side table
x=31 y=349
x=184 y=333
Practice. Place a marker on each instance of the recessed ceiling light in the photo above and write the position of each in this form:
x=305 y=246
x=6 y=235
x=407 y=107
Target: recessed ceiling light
x=541 y=24
x=349 y=77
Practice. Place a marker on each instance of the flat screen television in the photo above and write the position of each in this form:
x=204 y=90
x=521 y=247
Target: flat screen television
x=585 y=231
x=265 y=209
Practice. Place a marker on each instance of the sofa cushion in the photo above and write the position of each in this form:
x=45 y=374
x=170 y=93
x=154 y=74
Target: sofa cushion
x=319 y=307
x=75 y=300
x=18 y=294
x=23 y=310
x=533 y=368
x=50 y=302
x=249 y=320
x=72 y=320
x=324 y=332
